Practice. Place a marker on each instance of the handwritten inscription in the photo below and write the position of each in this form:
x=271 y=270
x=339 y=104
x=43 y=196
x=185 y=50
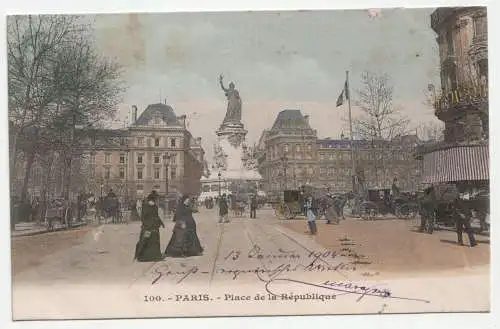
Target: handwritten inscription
x=234 y=273
x=276 y=267
x=271 y=264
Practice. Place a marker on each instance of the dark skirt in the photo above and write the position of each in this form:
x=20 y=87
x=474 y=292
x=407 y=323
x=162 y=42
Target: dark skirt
x=184 y=243
x=148 y=249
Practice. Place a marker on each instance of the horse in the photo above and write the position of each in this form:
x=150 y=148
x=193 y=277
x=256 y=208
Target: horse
x=112 y=209
x=332 y=206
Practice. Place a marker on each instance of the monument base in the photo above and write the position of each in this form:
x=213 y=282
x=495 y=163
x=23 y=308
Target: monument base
x=231 y=137
x=235 y=133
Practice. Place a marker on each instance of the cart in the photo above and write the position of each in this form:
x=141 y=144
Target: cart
x=291 y=206
x=57 y=211
x=377 y=202
x=437 y=207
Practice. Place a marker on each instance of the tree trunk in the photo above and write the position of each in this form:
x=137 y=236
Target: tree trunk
x=45 y=189
x=69 y=158
x=13 y=156
x=27 y=172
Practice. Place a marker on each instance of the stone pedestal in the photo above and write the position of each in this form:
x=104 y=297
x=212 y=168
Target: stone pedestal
x=234 y=133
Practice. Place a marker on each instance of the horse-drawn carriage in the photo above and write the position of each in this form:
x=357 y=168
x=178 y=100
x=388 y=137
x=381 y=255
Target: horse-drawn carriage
x=291 y=206
x=376 y=203
x=58 y=211
x=380 y=202
x=109 y=207
x=442 y=203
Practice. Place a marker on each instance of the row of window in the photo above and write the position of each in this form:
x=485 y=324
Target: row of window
x=157 y=158
x=155 y=141
x=296 y=149
x=401 y=156
x=140 y=173
x=297 y=171
x=335 y=171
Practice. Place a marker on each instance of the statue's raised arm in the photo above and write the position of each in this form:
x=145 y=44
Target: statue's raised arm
x=221 y=78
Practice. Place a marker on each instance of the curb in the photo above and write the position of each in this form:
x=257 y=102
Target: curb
x=43 y=231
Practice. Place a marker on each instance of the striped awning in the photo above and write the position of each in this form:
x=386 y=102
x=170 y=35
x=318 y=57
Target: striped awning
x=459 y=163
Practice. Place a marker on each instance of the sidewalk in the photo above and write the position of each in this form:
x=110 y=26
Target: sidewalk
x=34 y=228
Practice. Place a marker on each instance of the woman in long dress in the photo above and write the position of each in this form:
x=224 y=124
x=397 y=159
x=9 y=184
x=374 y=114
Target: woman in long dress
x=311 y=213
x=184 y=241
x=148 y=247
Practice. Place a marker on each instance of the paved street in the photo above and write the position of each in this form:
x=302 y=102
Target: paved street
x=110 y=248
x=242 y=258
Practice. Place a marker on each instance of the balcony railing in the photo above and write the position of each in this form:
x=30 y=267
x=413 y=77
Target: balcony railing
x=464 y=95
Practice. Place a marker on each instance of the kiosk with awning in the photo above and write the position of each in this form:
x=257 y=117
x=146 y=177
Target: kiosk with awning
x=456 y=163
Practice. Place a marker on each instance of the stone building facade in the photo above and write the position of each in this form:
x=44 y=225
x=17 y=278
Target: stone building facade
x=290 y=154
x=287 y=154
x=156 y=152
x=462 y=104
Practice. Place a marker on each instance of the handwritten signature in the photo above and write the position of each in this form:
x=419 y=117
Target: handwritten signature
x=341 y=288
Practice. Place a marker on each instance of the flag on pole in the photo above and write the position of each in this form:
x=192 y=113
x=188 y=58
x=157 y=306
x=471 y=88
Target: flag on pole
x=343 y=95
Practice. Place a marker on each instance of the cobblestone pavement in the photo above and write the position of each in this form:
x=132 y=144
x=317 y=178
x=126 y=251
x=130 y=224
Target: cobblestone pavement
x=243 y=261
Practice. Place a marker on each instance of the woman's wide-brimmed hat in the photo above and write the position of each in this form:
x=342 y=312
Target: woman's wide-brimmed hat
x=152 y=196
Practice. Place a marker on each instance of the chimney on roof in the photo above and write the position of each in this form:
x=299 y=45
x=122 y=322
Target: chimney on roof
x=134 y=113
x=183 y=118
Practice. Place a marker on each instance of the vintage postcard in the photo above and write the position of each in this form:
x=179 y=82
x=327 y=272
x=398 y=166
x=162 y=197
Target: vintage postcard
x=212 y=164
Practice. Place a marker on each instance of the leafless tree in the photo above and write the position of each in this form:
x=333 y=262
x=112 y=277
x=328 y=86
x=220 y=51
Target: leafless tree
x=32 y=43
x=90 y=92
x=57 y=82
x=431 y=131
x=380 y=121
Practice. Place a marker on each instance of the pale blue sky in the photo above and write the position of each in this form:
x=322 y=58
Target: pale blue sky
x=277 y=60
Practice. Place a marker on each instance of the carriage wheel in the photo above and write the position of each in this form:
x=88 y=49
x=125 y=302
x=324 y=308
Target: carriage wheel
x=429 y=224
x=364 y=212
x=67 y=214
x=404 y=211
x=398 y=211
x=277 y=210
x=288 y=212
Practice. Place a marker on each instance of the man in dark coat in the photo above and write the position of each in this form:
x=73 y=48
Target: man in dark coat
x=395 y=188
x=223 y=209
x=148 y=247
x=253 y=207
x=463 y=216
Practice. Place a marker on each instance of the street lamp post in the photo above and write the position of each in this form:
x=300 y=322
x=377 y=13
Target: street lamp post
x=218 y=175
x=284 y=160
x=166 y=159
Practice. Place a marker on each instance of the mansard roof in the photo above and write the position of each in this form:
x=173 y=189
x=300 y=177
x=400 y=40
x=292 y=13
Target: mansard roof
x=290 y=119
x=165 y=111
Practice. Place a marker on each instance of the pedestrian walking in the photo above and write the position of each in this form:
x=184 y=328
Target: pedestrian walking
x=223 y=209
x=311 y=213
x=253 y=207
x=463 y=217
x=147 y=248
x=184 y=241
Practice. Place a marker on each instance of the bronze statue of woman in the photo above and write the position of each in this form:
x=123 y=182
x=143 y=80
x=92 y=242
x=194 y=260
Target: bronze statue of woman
x=233 y=113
